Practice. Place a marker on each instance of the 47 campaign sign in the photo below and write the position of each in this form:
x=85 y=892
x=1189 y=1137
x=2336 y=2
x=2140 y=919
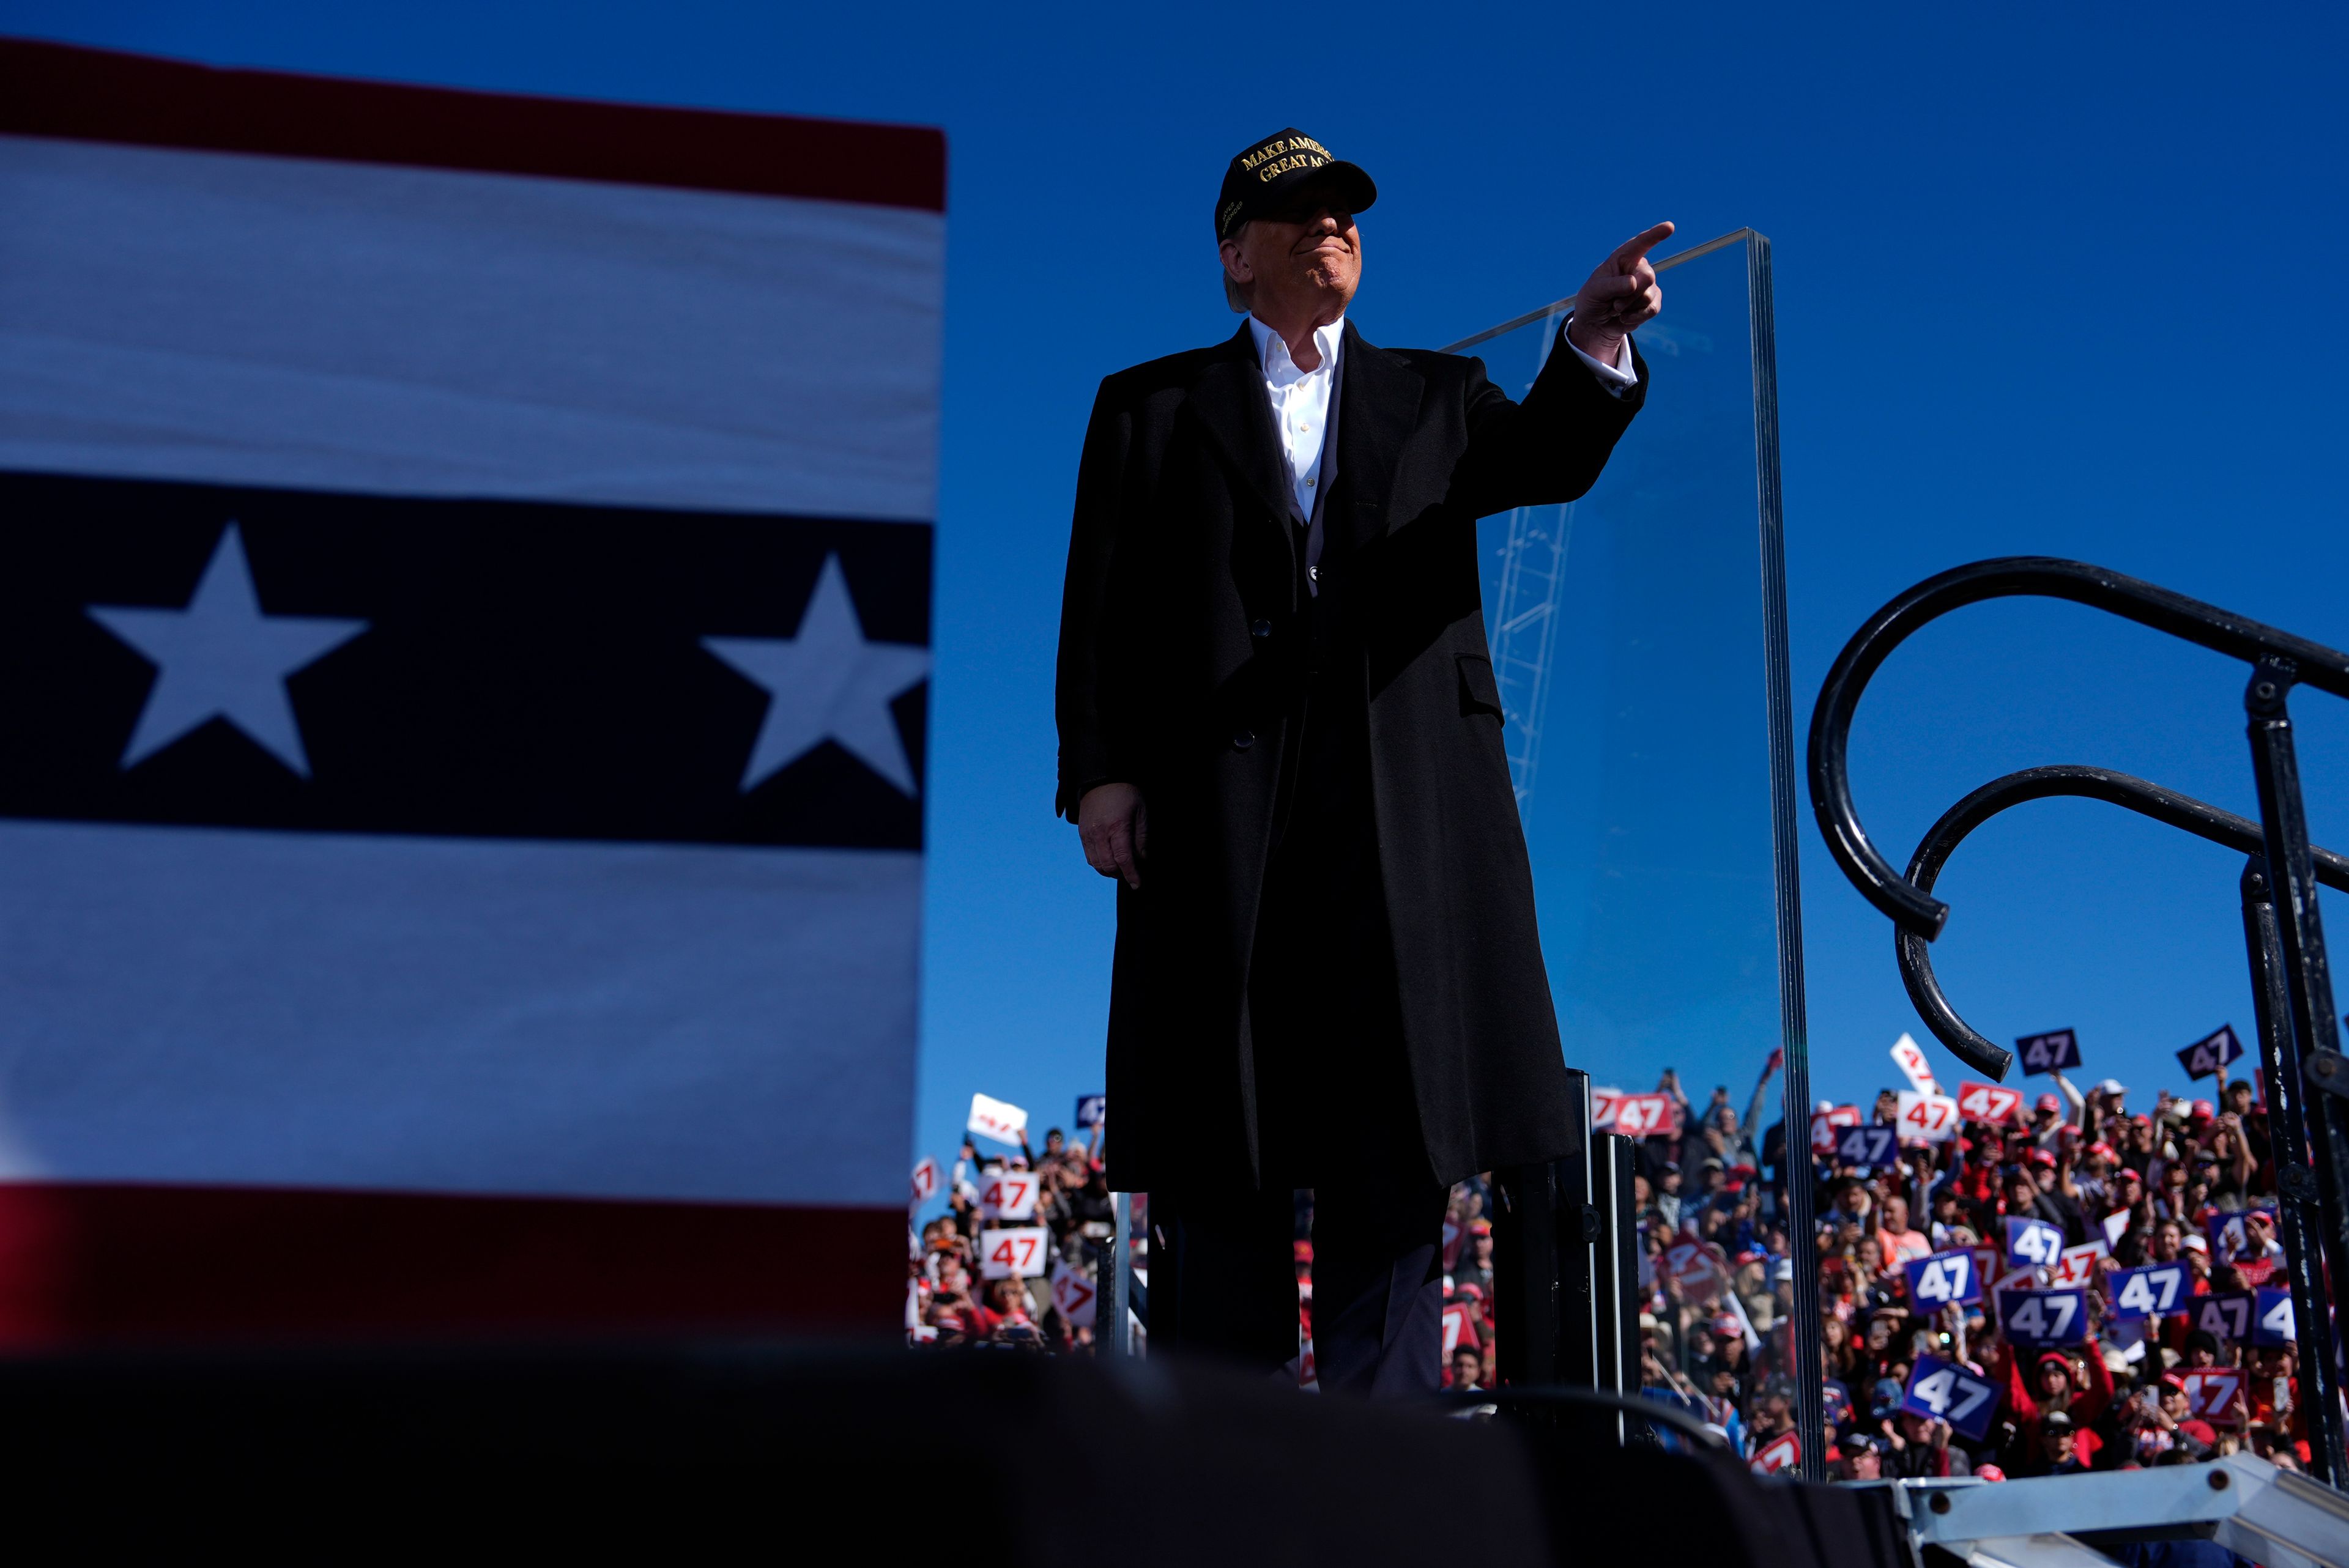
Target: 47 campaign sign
x=2212 y=1393
x=2044 y=1319
x=2156 y=1290
x=2209 y=1057
x=2032 y=1243
x=2228 y=1314
x=1949 y=1392
x=1945 y=1279
x=1989 y=1102
x=464 y=674
x=1875 y=1146
x=2049 y=1053
x=2272 y=1318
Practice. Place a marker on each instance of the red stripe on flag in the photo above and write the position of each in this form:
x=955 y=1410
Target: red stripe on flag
x=105 y=1263
x=99 y=95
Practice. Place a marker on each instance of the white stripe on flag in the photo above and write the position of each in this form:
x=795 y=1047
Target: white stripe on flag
x=298 y=323
x=467 y=1015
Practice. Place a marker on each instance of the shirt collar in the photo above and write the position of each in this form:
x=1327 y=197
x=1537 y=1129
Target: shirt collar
x=1272 y=350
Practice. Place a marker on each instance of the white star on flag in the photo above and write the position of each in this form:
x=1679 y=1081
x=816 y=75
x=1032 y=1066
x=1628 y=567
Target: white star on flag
x=220 y=657
x=829 y=683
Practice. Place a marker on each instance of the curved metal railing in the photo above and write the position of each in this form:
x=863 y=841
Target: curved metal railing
x=2007 y=577
x=2181 y=811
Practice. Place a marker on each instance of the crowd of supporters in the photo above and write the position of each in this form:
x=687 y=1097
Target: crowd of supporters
x=1040 y=1295
x=2190 y=1181
x=2183 y=1181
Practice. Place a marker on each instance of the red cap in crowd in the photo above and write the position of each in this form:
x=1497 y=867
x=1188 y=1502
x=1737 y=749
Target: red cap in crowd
x=1480 y=1227
x=2041 y=1157
x=2104 y=1151
x=2203 y=1110
x=2049 y=1102
x=1988 y=1473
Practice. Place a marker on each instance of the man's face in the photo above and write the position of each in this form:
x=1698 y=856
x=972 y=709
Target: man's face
x=1671 y=1180
x=2058 y=1442
x=1310 y=257
x=2166 y=1242
x=1467 y=1368
x=1896 y=1214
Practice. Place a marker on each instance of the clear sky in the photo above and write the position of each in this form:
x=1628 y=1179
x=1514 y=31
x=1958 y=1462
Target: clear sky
x=2060 y=280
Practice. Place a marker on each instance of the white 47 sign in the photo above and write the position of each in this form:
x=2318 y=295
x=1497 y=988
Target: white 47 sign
x=1014 y=1254
x=1008 y=1194
x=1928 y=1117
x=1072 y=1296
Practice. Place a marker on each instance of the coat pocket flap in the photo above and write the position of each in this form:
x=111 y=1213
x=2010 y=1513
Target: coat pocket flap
x=1479 y=693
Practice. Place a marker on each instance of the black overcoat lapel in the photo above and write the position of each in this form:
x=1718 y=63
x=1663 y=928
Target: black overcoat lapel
x=1378 y=407
x=1228 y=397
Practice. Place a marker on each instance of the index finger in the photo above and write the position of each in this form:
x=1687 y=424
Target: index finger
x=1640 y=244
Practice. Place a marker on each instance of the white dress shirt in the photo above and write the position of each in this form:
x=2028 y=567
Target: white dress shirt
x=1300 y=398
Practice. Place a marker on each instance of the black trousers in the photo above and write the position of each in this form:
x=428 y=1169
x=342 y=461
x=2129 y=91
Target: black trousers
x=1335 y=1111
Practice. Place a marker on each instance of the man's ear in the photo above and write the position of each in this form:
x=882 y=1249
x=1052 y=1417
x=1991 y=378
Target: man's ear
x=1236 y=263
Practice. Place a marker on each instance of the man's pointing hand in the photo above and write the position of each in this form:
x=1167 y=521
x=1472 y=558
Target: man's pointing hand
x=1620 y=296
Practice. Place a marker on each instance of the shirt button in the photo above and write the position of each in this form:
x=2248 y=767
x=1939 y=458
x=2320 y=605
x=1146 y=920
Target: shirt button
x=1242 y=739
x=1311 y=480
x=1260 y=628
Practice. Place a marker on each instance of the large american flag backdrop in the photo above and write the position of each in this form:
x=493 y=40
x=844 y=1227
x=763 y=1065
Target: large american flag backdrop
x=464 y=608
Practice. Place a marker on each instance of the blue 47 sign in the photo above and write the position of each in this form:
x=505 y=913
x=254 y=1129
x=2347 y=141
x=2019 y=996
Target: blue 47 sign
x=2271 y=1320
x=1945 y=1279
x=2207 y=1057
x=2048 y=1053
x=1948 y=1392
x=2226 y=1314
x=1875 y=1146
x=2033 y=1244
x=2044 y=1319
x=2156 y=1290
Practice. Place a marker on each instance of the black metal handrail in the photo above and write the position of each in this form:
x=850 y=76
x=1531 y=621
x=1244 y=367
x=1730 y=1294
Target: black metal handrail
x=2006 y=577
x=2182 y=811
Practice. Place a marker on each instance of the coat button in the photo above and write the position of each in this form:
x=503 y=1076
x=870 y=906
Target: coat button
x=1242 y=739
x=1260 y=628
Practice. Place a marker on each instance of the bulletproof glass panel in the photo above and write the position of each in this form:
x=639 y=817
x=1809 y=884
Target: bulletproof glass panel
x=1628 y=636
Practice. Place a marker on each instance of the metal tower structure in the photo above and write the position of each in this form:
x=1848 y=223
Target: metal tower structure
x=1525 y=620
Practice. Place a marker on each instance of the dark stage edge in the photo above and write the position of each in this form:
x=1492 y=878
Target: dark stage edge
x=861 y=1454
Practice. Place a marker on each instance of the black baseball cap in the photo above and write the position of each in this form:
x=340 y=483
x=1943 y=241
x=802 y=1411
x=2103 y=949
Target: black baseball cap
x=1266 y=177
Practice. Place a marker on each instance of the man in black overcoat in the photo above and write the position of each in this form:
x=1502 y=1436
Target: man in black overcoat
x=1280 y=732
